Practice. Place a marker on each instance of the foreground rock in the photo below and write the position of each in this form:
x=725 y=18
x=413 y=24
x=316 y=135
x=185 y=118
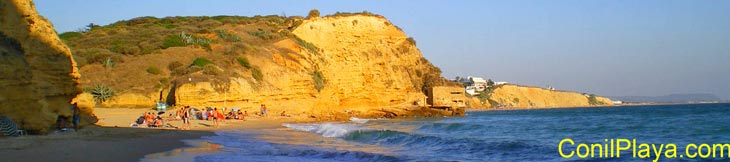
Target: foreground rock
x=38 y=77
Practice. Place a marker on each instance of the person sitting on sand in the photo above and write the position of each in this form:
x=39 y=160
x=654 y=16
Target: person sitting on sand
x=157 y=123
x=239 y=115
x=230 y=115
x=141 y=120
x=149 y=117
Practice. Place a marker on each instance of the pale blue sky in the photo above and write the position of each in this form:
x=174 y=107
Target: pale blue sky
x=605 y=47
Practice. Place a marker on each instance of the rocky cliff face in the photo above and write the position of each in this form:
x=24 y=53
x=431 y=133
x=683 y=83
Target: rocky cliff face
x=364 y=66
x=534 y=97
x=38 y=78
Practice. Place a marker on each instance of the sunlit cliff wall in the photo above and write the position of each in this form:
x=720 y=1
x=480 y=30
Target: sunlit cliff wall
x=38 y=78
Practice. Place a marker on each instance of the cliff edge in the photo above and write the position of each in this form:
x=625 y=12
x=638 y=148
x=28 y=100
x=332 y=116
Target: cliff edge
x=534 y=97
x=327 y=67
x=38 y=77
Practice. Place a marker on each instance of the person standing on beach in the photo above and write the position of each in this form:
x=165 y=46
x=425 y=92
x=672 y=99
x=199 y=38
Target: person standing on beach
x=186 y=118
x=76 y=117
x=215 y=116
x=263 y=110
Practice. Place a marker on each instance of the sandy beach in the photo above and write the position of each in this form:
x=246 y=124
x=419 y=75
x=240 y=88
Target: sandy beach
x=115 y=140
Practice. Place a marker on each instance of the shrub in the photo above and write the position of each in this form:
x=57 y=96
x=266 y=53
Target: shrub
x=412 y=41
x=261 y=34
x=192 y=69
x=319 y=80
x=154 y=70
x=179 y=71
x=243 y=62
x=123 y=46
x=201 y=62
x=102 y=93
x=239 y=48
x=226 y=36
x=592 y=100
x=256 y=74
x=211 y=69
x=163 y=83
x=313 y=13
x=193 y=40
x=96 y=55
x=309 y=46
x=108 y=63
x=69 y=35
x=203 y=42
x=483 y=97
x=173 y=41
x=174 y=65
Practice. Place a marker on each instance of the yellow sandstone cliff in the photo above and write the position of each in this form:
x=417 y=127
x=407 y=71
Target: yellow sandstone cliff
x=38 y=77
x=368 y=66
x=535 y=97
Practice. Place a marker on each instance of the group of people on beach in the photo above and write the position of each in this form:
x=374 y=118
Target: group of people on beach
x=187 y=113
x=149 y=119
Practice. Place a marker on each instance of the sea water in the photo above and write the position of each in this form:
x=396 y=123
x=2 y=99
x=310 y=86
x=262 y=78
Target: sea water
x=514 y=135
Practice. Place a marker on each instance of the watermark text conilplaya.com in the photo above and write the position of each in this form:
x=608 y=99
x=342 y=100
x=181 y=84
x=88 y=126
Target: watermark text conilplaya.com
x=622 y=147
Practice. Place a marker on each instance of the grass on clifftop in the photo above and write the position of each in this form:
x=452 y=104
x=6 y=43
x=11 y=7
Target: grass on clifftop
x=124 y=55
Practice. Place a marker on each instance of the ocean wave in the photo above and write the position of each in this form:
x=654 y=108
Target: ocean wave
x=331 y=129
x=424 y=147
x=326 y=129
x=452 y=127
x=245 y=146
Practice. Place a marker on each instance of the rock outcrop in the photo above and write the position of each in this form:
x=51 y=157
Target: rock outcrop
x=38 y=77
x=365 y=66
x=535 y=97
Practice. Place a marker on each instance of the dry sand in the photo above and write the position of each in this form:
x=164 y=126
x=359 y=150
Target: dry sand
x=115 y=140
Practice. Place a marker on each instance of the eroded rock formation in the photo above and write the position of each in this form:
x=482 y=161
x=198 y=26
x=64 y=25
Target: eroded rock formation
x=38 y=77
x=368 y=67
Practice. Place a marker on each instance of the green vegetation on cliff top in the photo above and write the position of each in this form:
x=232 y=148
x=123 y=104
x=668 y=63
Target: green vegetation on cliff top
x=123 y=55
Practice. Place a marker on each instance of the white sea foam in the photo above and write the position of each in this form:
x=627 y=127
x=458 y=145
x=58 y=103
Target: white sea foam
x=358 y=120
x=326 y=129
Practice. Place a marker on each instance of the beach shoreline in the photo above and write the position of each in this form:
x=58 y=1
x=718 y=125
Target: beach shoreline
x=114 y=139
x=96 y=143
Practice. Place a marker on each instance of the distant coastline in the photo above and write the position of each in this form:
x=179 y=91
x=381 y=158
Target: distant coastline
x=597 y=106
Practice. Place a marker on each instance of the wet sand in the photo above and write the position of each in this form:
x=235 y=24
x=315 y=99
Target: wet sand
x=115 y=140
